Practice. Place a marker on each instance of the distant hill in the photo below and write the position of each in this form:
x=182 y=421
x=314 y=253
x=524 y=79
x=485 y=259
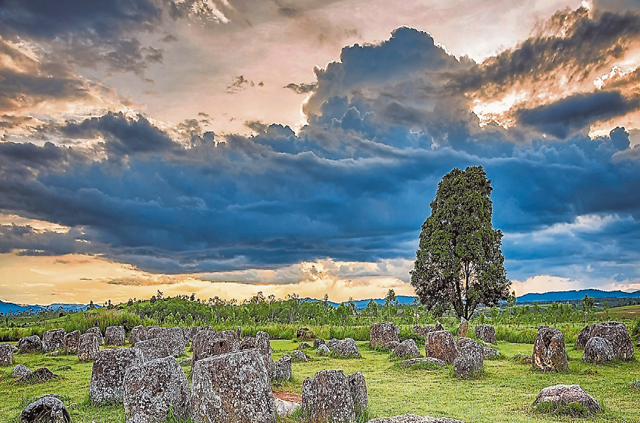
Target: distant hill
x=12 y=308
x=576 y=295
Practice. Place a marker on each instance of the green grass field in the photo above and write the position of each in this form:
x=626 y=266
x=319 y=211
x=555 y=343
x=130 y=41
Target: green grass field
x=631 y=312
x=503 y=394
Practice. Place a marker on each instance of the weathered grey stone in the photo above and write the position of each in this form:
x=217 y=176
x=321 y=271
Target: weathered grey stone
x=486 y=333
x=423 y=330
x=412 y=418
x=29 y=344
x=285 y=408
x=297 y=355
x=346 y=348
x=88 y=347
x=431 y=360
x=393 y=345
x=6 y=355
x=39 y=375
x=614 y=332
x=98 y=333
x=463 y=328
x=407 y=349
x=470 y=359
x=107 y=374
x=332 y=343
x=462 y=341
x=47 y=409
x=209 y=343
x=232 y=387
x=138 y=333
x=439 y=326
x=598 y=351
x=282 y=368
x=71 y=341
x=490 y=353
x=20 y=370
x=327 y=397
x=114 y=335
x=263 y=345
x=358 y=388
x=172 y=336
x=153 y=349
x=549 y=352
x=440 y=344
x=381 y=334
x=153 y=388
x=323 y=350
x=563 y=395
x=52 y=340
x=317 y=342
x=522 y=358
x=303 y=346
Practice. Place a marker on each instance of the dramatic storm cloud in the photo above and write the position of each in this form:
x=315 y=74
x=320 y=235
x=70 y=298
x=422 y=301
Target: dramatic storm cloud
x=341 y=198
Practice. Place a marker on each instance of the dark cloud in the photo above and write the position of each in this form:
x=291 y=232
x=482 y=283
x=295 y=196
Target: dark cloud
x=301 y=88
x=577 y=112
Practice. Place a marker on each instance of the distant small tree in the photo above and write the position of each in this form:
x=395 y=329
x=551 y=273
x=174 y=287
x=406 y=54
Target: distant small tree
x=588 y=308
x=389 y=301
x=459 y=262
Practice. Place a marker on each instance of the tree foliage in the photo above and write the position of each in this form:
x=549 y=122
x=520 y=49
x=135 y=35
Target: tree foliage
x=459 y=262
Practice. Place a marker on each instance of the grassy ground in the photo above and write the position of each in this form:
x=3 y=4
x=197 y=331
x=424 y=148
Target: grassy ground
x=626 y=312
x=504 y=394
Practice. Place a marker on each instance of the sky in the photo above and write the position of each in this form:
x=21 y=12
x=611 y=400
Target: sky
x=226 y=147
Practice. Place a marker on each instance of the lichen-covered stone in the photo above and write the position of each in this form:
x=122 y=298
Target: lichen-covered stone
x=346 y=348
x=463 y=328
x=297 y=355
x=327 y=397
x=282 y=368
x=381 y=334
x=107 y=374
x=39 y=375
x=332 y=343
x=470 y=359
x=6 y=355
x=263 y=345
x=88 y=347
x=47 y=409
x=358 y=388
x=440 y=344
x=549 y=352
x=393 y=345
x=486 y=333
x=138 y=333
x=563 y=395
x=20 y=370
x=172 y=336
x=323 y=350
x=209 y=343
x=153 y=388
x=98 y=333
x=303 y=346
x=29 y=344
x=407 y=349
x=317 y=342
x=614 y=332
x=412 y=418
x=423 y=330
x=232 y=387
x=439 y=326
x=490 y=353
x=430 y=360
x=71 y=341
x=462 y=341
x=153 y=349
x=114 y=335
x=598 y=351
x=52 y=340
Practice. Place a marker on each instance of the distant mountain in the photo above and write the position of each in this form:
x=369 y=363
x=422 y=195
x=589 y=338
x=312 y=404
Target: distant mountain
x=576 y=295
x=12 y=308
x=360 y=304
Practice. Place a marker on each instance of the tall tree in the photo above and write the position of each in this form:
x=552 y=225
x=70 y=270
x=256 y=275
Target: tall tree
x=459 y=262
